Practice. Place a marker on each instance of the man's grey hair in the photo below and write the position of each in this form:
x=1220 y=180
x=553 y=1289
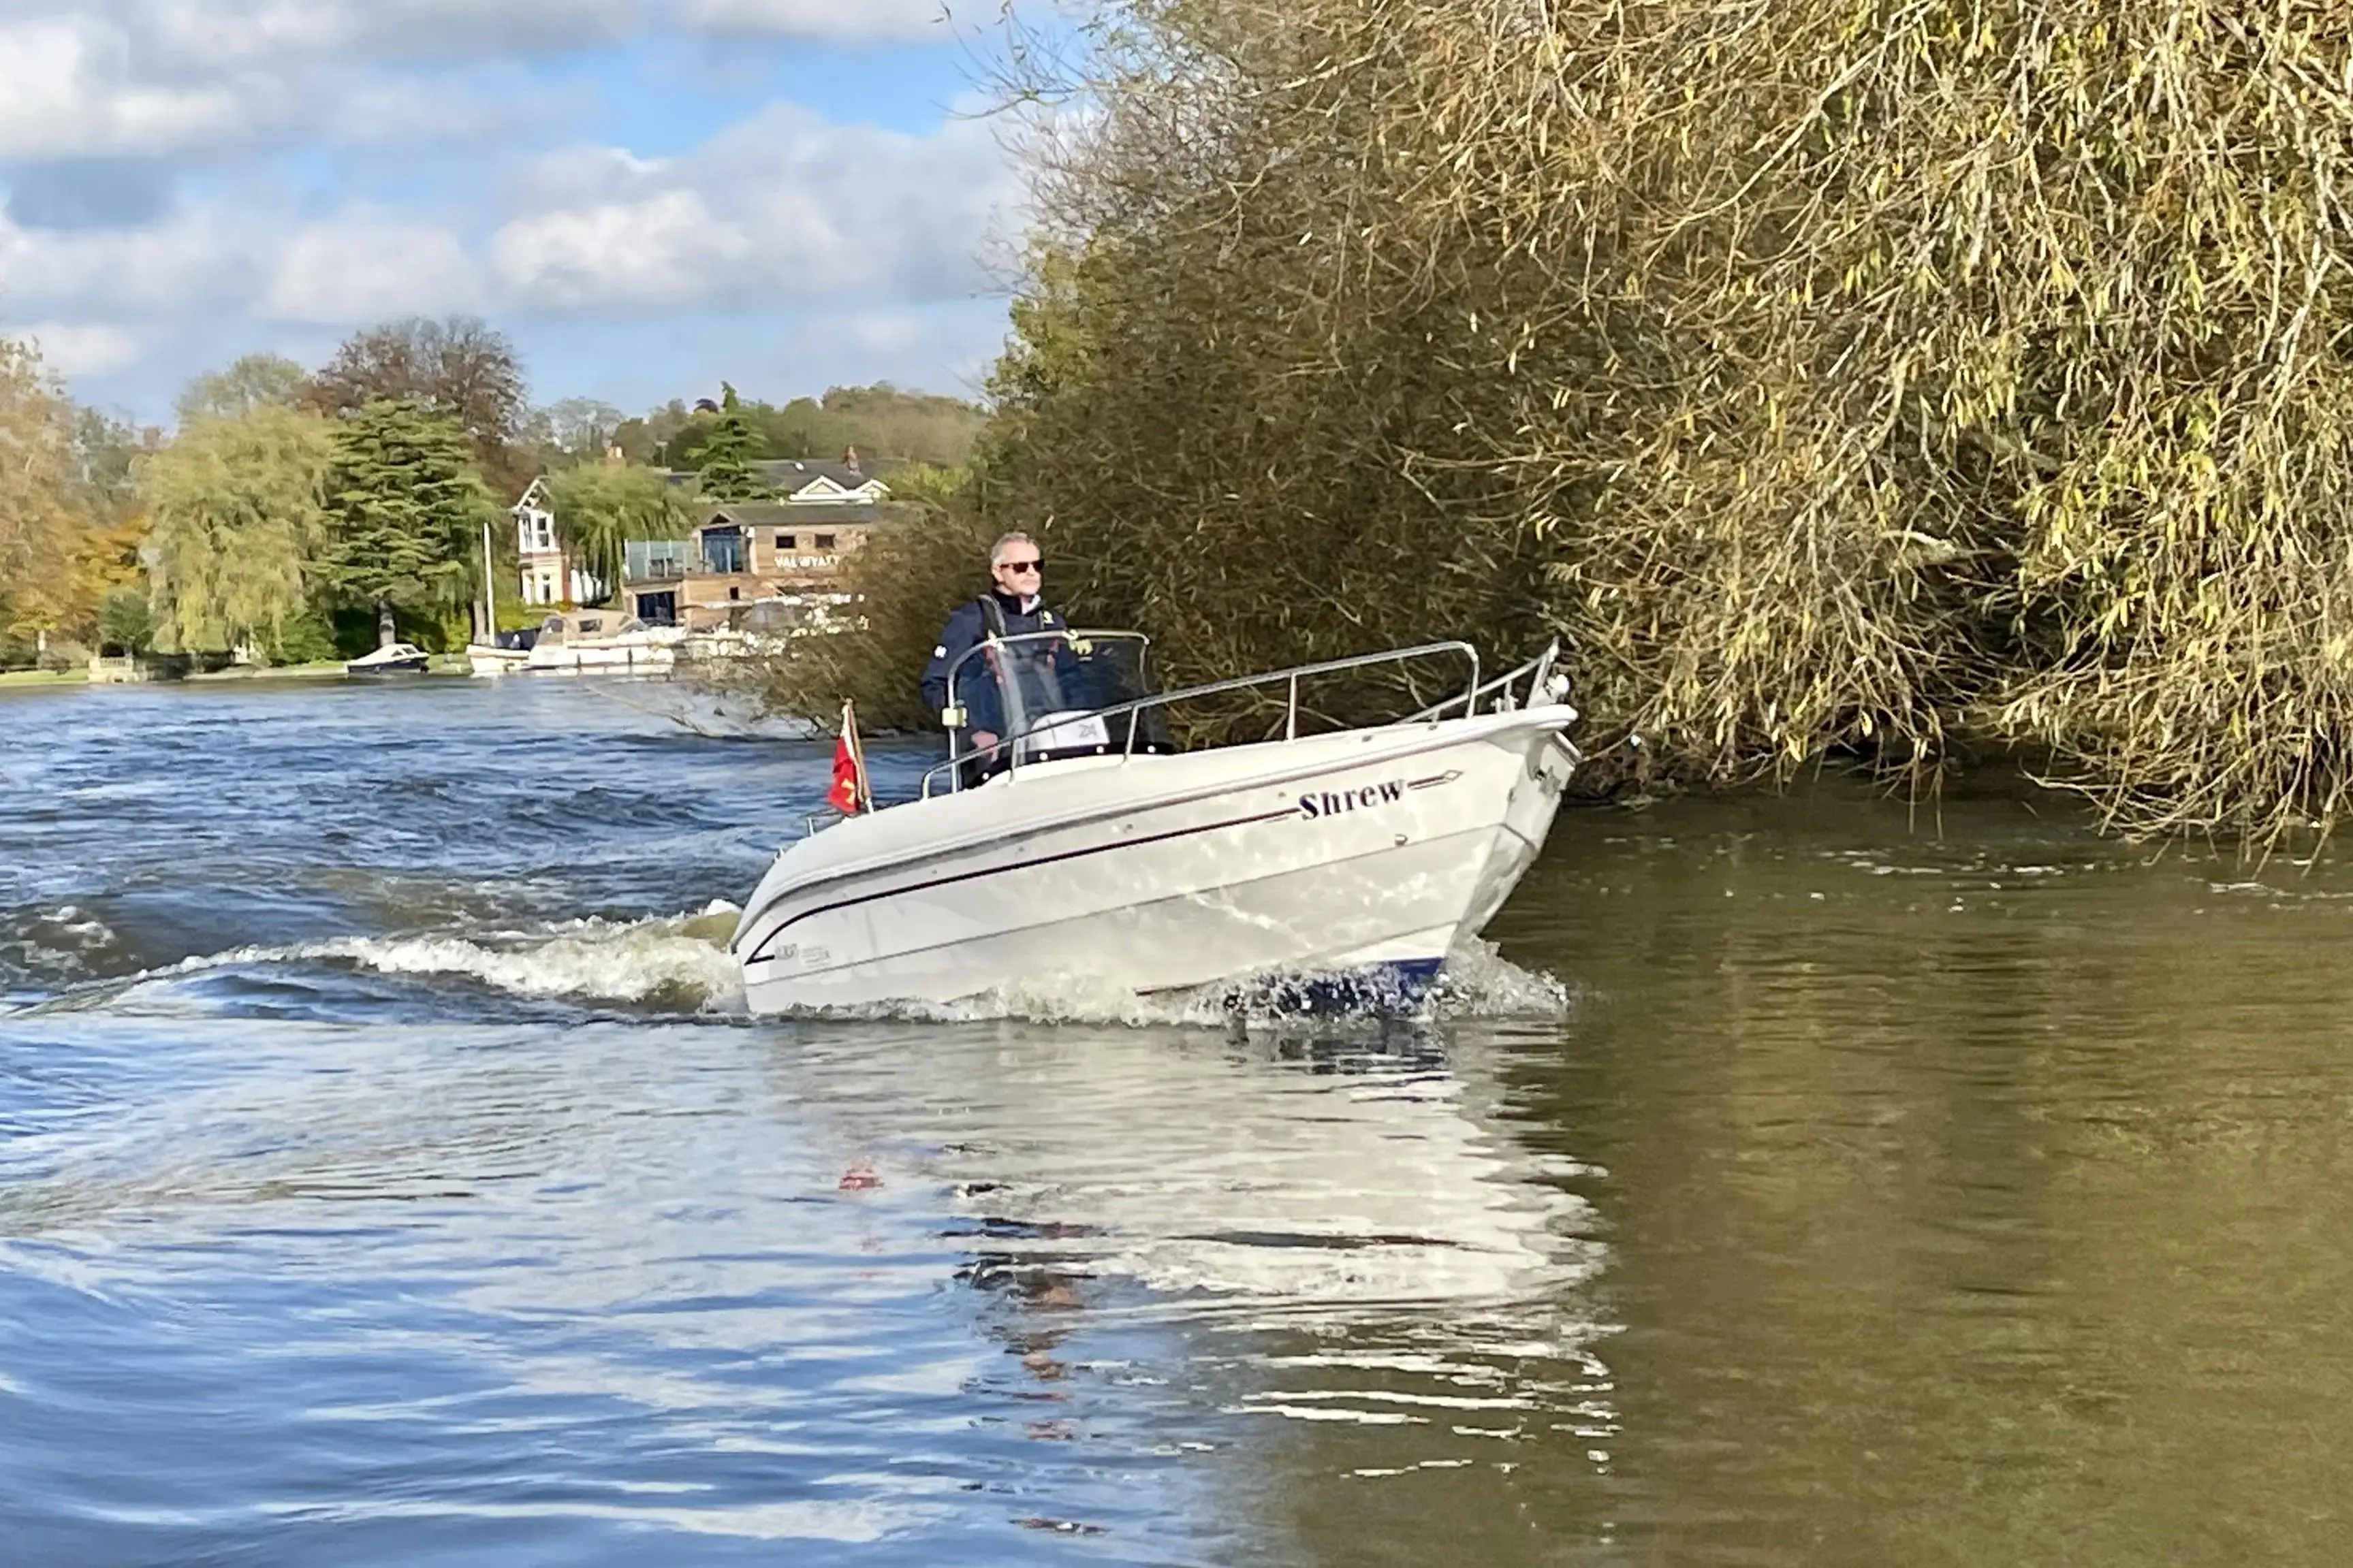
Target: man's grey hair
x=1005 y=540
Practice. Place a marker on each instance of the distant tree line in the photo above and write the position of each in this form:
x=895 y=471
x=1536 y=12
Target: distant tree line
x=298 y=513
x=889 y=428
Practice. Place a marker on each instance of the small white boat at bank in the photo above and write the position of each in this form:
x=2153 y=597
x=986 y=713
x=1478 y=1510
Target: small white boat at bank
x=392 y=658
x=583 y=642
x=495 y=659
x=1101 y=857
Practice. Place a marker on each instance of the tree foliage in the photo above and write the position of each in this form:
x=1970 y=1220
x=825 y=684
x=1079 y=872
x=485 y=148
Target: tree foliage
x=43 y=514
x=727 y=454
x=237 y=510
x=888 y=428
x=404 y=502
x=126 y=621
x=253 y=381
x=458 y=368
x=1831 y=375
x=579 y=428
x=599 y=508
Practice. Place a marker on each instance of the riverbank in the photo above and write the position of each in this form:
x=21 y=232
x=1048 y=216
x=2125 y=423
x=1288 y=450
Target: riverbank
x=441 y=663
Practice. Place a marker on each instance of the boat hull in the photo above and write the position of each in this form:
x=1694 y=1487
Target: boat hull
x=574 y=658
x=483 y=659
x=1369 y=852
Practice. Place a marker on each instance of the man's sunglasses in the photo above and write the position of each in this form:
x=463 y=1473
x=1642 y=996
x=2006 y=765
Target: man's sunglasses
x=1037 y=565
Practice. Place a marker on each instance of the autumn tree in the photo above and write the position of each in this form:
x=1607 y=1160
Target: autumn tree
x=458 y=368
x=38 y=521
x=404 y=501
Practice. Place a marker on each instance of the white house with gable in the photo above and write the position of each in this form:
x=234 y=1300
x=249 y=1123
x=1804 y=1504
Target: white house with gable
x=547 y=578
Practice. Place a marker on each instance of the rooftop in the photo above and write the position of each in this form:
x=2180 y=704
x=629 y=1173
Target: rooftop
x=794 y=515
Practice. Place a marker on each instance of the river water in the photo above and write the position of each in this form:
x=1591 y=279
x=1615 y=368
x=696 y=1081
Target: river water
x=387 y=1175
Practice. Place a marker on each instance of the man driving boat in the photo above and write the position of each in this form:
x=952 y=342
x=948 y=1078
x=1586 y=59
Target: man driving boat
x=1014 y=606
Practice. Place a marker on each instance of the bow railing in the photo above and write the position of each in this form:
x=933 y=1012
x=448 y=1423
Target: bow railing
x=1008 y=748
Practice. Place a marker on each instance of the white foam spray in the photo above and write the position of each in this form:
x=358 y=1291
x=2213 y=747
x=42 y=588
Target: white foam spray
x=678 y=957
x=682 y=960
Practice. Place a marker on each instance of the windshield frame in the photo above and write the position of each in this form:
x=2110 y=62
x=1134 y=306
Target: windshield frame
x=1024 y=726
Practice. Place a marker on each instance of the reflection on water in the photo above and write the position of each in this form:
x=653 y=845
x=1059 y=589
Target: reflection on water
x=929 y=1285
x=387 y=1174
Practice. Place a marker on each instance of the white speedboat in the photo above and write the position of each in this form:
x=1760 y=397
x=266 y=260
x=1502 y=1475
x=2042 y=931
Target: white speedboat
x=392 y=658
x=1086 y=849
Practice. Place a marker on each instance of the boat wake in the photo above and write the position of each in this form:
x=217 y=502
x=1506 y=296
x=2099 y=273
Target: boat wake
x=1477 y=982
x=673 y=962
x=680 y=963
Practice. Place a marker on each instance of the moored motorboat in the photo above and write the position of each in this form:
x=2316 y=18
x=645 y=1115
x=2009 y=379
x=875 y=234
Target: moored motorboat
x=602 y=642
x=507 y=653
x=1102 y=855
x=392 y=658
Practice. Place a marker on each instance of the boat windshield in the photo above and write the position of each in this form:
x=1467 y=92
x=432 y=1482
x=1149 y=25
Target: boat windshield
x=1043 y=690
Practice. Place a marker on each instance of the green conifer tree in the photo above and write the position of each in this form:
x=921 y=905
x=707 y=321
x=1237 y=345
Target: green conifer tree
x=403 y=504
x=727 y=473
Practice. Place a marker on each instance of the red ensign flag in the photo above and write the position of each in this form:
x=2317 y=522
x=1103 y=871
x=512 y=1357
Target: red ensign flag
x=847 y=794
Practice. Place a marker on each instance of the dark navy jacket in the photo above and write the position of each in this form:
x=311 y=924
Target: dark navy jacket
x=963 y=631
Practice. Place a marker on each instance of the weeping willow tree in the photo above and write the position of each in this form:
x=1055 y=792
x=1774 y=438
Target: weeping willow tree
x=600 y=508
x=1831 y=375
x=238 y=508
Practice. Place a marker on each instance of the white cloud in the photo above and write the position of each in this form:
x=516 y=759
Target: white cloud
x=840 y=21
x=87 y=349
x=175 y=37
x=945 y=347
x=406 y=112
x=182 y=179
x=68 y=89
x=884 y=332
x=199 y=259
x=369 y=267
x=782 y=205
x=85 y=78
x=661 y=251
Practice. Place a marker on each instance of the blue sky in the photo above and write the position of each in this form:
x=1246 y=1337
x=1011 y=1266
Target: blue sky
x=647 y=195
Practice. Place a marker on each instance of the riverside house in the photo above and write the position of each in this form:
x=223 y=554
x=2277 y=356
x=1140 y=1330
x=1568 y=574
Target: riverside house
x=547 y=575
x=780 y=553
x=763 y=565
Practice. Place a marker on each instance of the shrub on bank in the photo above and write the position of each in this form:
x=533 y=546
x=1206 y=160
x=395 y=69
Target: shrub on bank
x=1831 y=379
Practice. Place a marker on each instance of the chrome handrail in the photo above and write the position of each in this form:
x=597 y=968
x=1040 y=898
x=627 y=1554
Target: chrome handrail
x=1291 y=716
x=1535 y=670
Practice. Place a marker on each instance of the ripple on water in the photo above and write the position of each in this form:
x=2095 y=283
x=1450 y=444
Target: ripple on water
x=436 y=1278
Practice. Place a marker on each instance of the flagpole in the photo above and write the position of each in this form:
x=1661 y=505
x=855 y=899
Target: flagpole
x=857 y=755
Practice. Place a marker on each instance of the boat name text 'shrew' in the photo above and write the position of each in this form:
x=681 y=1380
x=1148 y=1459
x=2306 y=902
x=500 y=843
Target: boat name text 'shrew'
x=1330 y=803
